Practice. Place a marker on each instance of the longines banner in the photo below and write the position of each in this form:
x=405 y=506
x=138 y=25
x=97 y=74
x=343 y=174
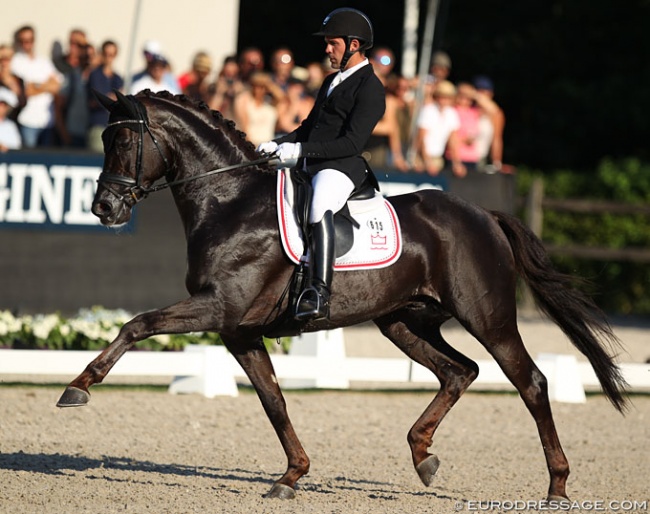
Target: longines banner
x=55 y=190
x=48 y=190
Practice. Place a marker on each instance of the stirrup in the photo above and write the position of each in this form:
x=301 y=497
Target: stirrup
x=319 y=310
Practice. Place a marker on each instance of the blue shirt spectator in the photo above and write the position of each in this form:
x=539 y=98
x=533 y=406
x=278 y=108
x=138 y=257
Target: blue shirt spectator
x=104 y=80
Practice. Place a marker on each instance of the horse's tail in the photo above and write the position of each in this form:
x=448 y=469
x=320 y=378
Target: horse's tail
x=573 y=311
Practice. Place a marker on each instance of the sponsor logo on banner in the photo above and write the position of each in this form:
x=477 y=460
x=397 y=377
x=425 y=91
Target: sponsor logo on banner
x=47 y=194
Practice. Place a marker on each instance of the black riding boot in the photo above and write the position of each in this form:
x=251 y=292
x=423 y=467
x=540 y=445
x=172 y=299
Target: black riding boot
x=314 y=302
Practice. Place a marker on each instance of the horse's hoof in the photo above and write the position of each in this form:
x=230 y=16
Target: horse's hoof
x=556 y=498
x=73 y=397
x=281 y=491
x=427 y=469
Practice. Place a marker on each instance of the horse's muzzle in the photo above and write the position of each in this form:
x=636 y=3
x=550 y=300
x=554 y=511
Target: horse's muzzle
x=102 y=208
x=111 y=211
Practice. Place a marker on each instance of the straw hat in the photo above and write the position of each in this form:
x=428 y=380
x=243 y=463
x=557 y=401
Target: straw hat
x=202 y=62
x=444 y=88
x=260 y=78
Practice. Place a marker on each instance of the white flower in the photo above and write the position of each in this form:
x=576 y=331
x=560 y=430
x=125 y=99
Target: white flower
x=163 y=339
x=43 y=325
x=110 y=333
x=89 y=329
x=9 y=323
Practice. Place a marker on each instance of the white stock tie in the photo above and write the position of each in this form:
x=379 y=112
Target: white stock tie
x=337 y=80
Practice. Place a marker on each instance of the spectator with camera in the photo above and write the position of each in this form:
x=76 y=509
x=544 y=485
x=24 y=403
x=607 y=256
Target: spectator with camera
x=226 y=87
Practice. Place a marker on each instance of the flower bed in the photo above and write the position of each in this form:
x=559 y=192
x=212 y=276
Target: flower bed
x=90 y=329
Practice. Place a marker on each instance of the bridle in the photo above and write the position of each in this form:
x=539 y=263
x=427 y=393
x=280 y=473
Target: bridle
x=136 y=190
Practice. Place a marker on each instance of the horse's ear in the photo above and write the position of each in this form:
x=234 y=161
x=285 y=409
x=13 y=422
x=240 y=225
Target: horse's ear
x=127 y=103
x=122 y=99
x=107 y=102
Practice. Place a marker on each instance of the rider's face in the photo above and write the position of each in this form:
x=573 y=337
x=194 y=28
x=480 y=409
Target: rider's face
x=334 y=49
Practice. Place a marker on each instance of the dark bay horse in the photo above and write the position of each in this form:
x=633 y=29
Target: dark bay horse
x=458 y=261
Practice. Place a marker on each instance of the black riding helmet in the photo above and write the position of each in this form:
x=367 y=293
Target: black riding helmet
x=349 y=24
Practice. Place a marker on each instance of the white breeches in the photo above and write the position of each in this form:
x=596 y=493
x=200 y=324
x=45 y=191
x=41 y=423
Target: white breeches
x=332 y=189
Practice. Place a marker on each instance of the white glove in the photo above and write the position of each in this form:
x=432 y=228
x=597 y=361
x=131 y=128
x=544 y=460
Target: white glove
x=289 y=153
x=268 y=147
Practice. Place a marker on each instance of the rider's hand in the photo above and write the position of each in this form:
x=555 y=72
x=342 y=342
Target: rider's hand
x=267 y=147
x=289 y=153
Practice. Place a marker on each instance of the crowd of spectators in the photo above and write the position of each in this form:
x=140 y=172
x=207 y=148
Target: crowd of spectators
x=47 y=100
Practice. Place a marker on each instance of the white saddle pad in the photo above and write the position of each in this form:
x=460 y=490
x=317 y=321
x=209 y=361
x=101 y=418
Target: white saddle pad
x=377 y=241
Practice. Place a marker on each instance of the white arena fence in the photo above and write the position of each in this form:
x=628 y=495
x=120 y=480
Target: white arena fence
x=315 y=361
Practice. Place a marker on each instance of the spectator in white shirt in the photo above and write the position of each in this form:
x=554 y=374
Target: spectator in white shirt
x=42 y=82
x=438 y=125
x=155 y=77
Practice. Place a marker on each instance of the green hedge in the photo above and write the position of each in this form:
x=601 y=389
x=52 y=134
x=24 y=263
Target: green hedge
x=619 y=287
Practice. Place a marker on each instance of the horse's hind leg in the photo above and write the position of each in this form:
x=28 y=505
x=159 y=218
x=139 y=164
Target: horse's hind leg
x=422 y=341
x=505 y=345
x=254 y=359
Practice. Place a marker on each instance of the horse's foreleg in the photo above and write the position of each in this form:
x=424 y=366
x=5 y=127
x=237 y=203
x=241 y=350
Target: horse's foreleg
x=455 y=372
x=192 y=314
x=76 y=394
x=255 y=361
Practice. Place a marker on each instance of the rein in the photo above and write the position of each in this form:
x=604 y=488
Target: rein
x=137 y=191
x=159 y=187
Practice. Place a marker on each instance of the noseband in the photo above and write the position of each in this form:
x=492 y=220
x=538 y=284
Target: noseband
x=136 y=191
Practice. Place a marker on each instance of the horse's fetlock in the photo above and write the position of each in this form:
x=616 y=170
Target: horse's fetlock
x=302 y=467
x=418 y=439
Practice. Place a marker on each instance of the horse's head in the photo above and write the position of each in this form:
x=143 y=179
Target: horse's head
x=133 y=160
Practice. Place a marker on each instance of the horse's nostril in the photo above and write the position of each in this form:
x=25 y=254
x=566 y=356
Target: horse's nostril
x=101 y=208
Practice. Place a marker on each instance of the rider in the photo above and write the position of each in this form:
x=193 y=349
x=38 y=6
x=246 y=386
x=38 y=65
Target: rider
x=327 y=145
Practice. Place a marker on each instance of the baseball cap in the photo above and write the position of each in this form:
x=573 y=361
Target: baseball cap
x=483 y=82
x=152 y=47
x=441 y=59
x=153 y=52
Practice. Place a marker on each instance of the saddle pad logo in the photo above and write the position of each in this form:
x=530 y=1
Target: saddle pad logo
x=377 y=241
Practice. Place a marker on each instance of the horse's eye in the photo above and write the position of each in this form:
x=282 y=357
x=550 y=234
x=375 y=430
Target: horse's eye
x=123 y=143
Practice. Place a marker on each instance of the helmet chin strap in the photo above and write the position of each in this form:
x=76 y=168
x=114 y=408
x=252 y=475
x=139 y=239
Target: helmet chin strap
x=347 y=54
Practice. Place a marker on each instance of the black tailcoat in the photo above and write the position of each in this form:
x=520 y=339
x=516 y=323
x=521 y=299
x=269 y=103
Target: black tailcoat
x=338 y=127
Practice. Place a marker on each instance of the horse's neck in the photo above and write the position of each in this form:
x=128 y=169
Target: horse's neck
x=226 y=198
x=204 y=147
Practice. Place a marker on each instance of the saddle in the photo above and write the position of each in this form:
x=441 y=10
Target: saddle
x=344 y=223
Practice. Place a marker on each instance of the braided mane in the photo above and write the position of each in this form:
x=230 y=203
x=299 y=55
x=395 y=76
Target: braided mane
x=216 y=118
